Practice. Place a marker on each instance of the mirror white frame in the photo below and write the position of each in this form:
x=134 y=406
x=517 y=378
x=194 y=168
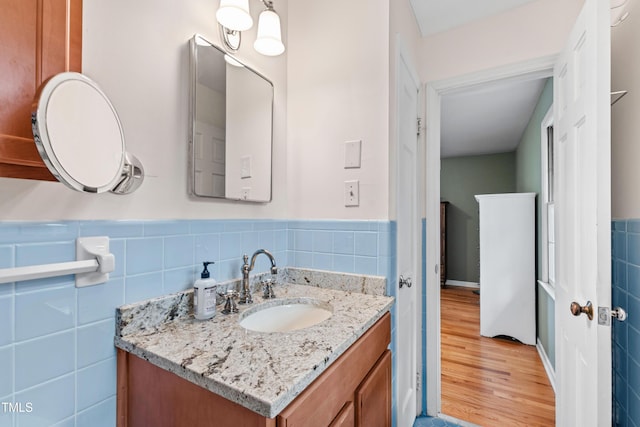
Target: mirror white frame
x=79 y=135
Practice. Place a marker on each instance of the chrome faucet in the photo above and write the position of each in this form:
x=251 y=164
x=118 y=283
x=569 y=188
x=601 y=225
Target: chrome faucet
x=245 y=293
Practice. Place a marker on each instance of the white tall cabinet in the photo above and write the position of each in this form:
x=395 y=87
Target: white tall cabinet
x=507 y=266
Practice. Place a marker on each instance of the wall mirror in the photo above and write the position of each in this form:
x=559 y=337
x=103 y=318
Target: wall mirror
x=80 y=139
x=231 y=113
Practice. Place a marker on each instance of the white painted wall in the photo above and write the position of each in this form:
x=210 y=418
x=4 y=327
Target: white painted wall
x=625 y=126
x=338 y=90
x=338 y=84
x=534 y=30
x=138 y=53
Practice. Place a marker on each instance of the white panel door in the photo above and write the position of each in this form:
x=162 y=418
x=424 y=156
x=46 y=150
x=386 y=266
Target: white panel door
x=583 y=218
x=407 y=244
x=209 y=146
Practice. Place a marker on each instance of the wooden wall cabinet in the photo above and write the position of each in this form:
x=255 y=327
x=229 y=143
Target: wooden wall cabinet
x=354 y=391
x=40 y=38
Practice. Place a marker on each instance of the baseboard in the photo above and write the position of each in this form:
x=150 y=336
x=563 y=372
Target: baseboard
x=462 y=284
x=547 y=365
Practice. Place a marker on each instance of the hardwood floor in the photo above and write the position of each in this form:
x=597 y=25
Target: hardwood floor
x=490 y=382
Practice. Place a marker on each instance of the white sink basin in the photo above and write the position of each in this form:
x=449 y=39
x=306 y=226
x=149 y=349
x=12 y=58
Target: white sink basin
x=285 y=315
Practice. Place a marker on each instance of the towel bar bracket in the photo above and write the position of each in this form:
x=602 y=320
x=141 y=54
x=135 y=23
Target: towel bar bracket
x=96 y=248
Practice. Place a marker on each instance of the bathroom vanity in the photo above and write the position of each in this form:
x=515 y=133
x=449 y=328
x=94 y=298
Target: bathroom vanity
x=176 y=371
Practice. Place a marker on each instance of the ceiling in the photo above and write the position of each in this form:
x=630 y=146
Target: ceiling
x=487 y=118
x=435 y=16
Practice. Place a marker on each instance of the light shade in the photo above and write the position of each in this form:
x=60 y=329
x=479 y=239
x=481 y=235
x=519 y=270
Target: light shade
x=269 y=40
x=234 y=15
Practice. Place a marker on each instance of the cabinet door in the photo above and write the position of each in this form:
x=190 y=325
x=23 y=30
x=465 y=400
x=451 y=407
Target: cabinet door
x=346 y=417
x=40 y=38
x=321 y=402
x=373 y=397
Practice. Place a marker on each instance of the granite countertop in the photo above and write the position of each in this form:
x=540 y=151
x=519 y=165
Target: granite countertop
x=263 y=372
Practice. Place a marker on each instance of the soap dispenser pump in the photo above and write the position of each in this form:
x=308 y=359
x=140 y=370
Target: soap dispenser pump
x=204 y=295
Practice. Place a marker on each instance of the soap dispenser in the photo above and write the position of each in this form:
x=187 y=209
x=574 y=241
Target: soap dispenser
x=204 y=295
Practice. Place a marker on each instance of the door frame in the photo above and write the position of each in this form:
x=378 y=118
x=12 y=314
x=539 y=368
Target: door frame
x=434 y=90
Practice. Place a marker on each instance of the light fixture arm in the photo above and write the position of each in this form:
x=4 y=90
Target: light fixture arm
x=230 y=38
x=268 y=4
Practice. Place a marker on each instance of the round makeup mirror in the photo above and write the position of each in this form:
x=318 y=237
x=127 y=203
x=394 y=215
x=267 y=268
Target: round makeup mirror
x=78 y=133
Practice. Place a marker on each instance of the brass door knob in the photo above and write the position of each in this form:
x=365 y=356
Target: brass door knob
x=577 y=309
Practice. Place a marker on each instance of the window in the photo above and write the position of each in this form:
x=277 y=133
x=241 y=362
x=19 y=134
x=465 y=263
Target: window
x=549 y=209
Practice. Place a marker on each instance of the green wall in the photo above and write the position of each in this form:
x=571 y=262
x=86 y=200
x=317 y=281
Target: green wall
x=528 y=161
x=546 y=324
x=461 y=179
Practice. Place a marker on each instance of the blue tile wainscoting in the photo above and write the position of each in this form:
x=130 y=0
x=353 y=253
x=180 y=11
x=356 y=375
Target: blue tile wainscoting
x=625 y=250
x=56 y=341
x=423 y=281
x=365 y=247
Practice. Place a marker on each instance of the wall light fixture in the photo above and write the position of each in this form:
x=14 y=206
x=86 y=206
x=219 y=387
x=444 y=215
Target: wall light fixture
x=233 y=17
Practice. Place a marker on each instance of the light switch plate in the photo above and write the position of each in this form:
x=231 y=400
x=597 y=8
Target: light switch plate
x=352 y=154
x=245 y=167
x=352 y=193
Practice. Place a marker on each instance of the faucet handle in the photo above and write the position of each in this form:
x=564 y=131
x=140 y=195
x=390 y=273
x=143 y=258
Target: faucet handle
x=230 y=305
x=267 y=286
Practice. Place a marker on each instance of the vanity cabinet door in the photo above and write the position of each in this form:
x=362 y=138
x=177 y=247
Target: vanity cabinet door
x=346 y=417
x=321 y=402
x=373 y=397
x=40 y=38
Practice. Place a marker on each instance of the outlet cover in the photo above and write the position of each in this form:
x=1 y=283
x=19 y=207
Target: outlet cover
x=352 y=193
x=245 y=193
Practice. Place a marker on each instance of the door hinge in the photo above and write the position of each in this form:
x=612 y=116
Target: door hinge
x=419 y=126
x=605 y=314
x=418 y=382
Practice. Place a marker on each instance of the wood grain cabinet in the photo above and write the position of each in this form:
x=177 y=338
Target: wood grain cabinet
x=373 y=401
x=40 y=38
x=354 y=391
x=346 y=417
